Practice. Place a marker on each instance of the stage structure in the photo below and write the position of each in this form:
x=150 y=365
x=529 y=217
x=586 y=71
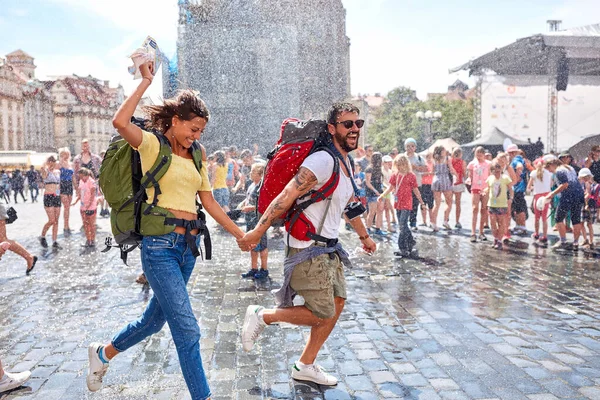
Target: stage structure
x=259 y=62
x=544 y=86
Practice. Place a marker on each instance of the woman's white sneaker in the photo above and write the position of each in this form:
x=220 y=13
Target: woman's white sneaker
x=12 y=380
x=313 y=373
x=97 y=368
x=253 y=326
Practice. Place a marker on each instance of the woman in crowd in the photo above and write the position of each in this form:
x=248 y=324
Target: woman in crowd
x=51 y=176
x=15 y=247
x=168 y=260
x=374 y=183
x=458 y=186
x=442 y=185
x=478 y=171
x=66 y=185
x=540 y=181
x=426 y=193
x=219 y=181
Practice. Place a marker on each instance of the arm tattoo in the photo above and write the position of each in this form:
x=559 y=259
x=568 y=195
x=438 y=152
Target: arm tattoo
x=302 y=182
x=305 y=179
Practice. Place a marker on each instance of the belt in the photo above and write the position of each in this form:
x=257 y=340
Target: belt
x=189 y=238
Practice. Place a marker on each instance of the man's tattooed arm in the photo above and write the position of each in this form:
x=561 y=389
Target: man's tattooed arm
x=303 y=182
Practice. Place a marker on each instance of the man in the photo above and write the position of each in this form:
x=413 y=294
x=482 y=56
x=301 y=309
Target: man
x=571 y=202
x=86 y=159
x=592 y=162
x=318 y=272
x=32 y=181
x=366 y=160
x=567 y=159
x=419 y=167
x=519 y=205
x=394 y=153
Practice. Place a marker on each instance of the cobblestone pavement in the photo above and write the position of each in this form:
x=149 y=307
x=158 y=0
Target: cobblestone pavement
x=461 y=322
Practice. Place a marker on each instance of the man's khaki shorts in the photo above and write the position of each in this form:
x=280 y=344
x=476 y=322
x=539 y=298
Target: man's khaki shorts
x=319 y=281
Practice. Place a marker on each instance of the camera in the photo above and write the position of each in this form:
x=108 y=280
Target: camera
x=354 y=209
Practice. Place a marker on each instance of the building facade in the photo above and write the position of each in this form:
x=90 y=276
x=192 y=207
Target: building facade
x=26 y=119
x=83 y=109
x=257 y=63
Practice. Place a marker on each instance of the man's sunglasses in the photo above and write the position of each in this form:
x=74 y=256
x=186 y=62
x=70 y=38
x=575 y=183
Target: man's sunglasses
x=348 y=124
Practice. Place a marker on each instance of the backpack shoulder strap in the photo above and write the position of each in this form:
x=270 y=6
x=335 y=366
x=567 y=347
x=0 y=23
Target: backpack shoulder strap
x=198 y=152
x=158 y=169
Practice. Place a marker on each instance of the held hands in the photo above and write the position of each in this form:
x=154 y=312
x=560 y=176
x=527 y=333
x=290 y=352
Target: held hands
x=249 y=241
x=369 y=246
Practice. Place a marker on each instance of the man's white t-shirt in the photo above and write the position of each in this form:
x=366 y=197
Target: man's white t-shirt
x=543 y=186
x=321 y=164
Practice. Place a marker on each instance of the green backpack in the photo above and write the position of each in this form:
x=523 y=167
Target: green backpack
x=124 y=188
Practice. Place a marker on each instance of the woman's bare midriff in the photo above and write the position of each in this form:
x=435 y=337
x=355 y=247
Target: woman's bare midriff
x=184 y=215
x=50 y=188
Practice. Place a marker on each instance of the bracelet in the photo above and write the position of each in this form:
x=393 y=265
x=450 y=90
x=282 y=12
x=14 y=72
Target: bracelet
x=364 y=237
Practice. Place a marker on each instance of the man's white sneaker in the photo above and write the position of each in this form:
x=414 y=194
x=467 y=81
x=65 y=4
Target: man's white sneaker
x=253 y=326
x=313 y=373
x=97 y=368
x=12 y=380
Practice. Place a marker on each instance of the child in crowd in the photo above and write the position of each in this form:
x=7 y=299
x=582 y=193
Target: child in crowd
x=426 y=193
x=403 y=183
x=388 y=208
x=590 y=210
x=478 y=171
x=249 y=208
x=498 y=189
x=442 y=186
x=458 y=185
x=359 y=179
x=88 y=194
x=541 y=183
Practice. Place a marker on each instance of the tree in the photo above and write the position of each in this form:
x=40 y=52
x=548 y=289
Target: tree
x=397 y=121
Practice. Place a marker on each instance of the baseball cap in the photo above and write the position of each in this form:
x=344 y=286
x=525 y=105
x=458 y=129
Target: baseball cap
x=387 y=159
x=548 y=158
x=410 y=141
x=583 y=172
x=563 y=155
x=512 y=147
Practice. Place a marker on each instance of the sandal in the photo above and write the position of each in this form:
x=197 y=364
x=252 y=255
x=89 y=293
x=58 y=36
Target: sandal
x=28 y=270
x=473 y=238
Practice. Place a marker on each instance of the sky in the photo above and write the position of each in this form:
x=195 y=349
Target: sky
x=393 y=42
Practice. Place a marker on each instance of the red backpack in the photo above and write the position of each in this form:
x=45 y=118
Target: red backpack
x=595 y=194
x=298 y=140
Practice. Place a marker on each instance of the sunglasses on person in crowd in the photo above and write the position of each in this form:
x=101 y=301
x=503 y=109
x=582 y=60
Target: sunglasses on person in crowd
x=348 y=124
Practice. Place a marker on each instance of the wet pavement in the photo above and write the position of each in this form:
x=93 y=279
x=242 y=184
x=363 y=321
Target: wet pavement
x=463 y=321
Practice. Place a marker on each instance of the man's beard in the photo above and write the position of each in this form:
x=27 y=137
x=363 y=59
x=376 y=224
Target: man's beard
x=343 y=142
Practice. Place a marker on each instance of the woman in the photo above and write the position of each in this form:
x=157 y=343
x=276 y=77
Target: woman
x=14 y=246
x=66 y=185
x=167 y=260
x=441 y=185
x=478 y=171
x=458 y=186
x=374 y=183
x=51 y=176
x=219 y=180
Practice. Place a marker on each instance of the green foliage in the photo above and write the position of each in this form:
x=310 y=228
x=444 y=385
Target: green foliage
x=396 y=120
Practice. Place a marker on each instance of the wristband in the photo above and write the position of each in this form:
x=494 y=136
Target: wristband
x=364 y=237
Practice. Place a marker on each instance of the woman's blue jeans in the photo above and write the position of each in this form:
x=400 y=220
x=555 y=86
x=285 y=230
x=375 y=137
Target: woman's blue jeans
x=168 y=263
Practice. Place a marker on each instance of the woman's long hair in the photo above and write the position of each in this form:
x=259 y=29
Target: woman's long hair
x=186 y=105
x=539 y=168
x=376 y=163
x=437 y=153
x=220 y=158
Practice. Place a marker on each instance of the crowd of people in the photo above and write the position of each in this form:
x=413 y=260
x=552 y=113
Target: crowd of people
x=391 y=187
x=436 y=181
